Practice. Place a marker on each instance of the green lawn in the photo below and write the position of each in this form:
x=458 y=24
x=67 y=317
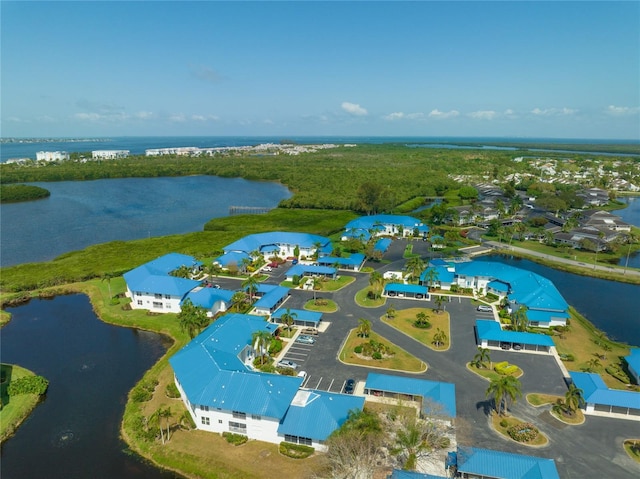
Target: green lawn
x=490 y=374
x=403 y=321
x=540 y=440
x=326 y=305
x=15 y=409
x=365 y=302
x=400 y=361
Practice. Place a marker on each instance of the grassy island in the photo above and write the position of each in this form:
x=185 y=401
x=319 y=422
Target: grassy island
x=18 y=193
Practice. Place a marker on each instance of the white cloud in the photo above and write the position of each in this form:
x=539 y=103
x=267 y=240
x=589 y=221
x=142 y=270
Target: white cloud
x=354 y=109
x=398 y=115
x=621 y=110
x=443 y=114
x=204 y=118
x=178 y=118
x=483 y=114
x=88 y=116
x=144 y=115
x=554 y=111
x=205 y=73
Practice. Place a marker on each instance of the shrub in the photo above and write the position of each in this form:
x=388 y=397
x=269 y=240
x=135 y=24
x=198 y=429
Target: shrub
x=567 y=357
x=144 y=390
x=295 y=280
x=275 y=347
x=504 y=423
x=422 y=324
x=172 y=391
x=295 y=451
x=358 y=349
x=28 y=385
x=523 y=432
x=235 y=439
x=376 y=355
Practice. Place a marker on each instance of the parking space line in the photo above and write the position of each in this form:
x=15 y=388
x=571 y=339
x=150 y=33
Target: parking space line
x=318 y=385
x=330 y=384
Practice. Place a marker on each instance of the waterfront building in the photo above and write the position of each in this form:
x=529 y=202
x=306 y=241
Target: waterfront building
x=51 y=155
x=384 y=225
x=281 y=244
x=109 y=154
x=598 y=399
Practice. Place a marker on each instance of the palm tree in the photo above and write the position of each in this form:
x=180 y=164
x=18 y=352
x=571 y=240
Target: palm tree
x=439 y=338
x=391 y=312
x=572 y=398
x=519 y=321
x=593 y=364
x=238 y=298
x=409 y=442
x=439 y=300
x=376 y=280
x=415 y=266
x=364 y=327
x=107 y=277
x=288 y=318
x=481 y=358
x=502 y=389
x=606 y=347
x=261 y=340
x=430 y=277
x=315 y=286
x=192 y=318
x=251 y=286
x=244 y=263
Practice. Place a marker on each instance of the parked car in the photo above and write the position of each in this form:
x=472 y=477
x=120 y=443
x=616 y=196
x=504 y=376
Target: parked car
x=294 y=261
x=309 y=331
x=285 y=363
x=349 y=386
x=485 y=309
x=273 y=264
x=303 y=375
x=267 y=268
x=305 y=339
x=505 y=346
x=517 y=346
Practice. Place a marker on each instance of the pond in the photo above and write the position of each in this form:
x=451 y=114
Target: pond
x=91 y=366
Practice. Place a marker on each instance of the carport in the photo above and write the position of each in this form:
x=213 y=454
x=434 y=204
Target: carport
x=406 y=290
x=598 y=398
x=301 y=317
x=490 y=334
x=272 y=297
x=301 y=270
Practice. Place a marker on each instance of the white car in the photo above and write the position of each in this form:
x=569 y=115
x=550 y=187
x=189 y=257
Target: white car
x=285 y=363
x=268 y=269
x=485 y=309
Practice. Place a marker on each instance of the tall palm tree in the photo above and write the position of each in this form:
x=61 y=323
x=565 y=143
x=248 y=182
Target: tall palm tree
x=502 y=389
x=107 y=277
x=415 y=266
x=439 y=338
x=439 y=300
x=593 y=364
x=238 y=298
x=261 y=340
x=573 y=397
x=364 y=327
x=519 y=320
x=391 y=312
x=251 y=286
x=288 y=318
x=192 y=318
x=481 y=358
x=376 y=280
x=430 y=277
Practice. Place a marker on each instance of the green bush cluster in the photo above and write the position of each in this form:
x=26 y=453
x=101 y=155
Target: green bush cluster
x=235 y=439
x=295 y=451
x=28 y=385
x=617 y=372
x=374 y=349
x=17 y=193
x=275 y=347
x=567 y=357
x=523 y=432
x=172 y=391
x=505 y=368
x=144 y=390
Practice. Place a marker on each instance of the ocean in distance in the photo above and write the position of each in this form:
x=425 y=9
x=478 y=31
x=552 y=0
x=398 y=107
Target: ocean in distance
x=27 y=148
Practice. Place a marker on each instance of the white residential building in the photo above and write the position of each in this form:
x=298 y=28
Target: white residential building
x=109 y=154
x=52 y=155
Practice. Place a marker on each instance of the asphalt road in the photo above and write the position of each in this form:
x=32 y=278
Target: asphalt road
x=591 y=450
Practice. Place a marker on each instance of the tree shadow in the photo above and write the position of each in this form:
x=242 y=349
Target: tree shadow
x=486 y=406
x=6 y=371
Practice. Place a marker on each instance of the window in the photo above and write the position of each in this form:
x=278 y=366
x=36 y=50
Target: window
x=204 y=408
x=239 y=415
x=157 y=305
x=167 y=296
x=237 y=427
x=157 y=296
x=298 y=440
x=219 y=421
x=205 y=420
x=138 y=293
x=139 y=302
x=256 y=417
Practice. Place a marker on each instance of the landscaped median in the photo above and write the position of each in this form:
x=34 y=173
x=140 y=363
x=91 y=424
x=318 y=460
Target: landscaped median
x=519 y=431
x=436 y=336
x=384 y=354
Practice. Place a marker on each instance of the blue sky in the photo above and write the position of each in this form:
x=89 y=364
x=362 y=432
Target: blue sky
x=506 y=69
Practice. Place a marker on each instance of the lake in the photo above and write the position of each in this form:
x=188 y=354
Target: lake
x=82 y=213
x=91 y=366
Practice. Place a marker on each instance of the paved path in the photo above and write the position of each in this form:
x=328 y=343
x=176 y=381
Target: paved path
x=591 y=450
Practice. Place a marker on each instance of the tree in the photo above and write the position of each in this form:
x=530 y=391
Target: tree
x=251 y=286
x=593 y=364
x=482 y=357
x=261 y=341
x=422 y=320
x=430 y=277
x=439 y=338
x=192 y=318
x=439 y=300
x=315 y=286
x=468 y=193
x=519 y=321
x=369 y=197
x=415 y=265
x=156 y=419
x=107 y=277
x=391 y=312
x=244 y=264
x=288 y=318
x=573 y=397
x=376 y=280
x=364 y=328
x=296 y=252
x=417 y=437
x=238 y=299
x=606 y=347
x=502 y=389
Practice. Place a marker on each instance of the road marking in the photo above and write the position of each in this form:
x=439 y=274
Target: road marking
x=330 y=384
x=318 y=385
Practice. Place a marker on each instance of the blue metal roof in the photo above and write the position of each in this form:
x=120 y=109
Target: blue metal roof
x=505 y=465
x=272 y=297
x=595 y=391
x=491 y=331
x=256 y=242
x=498 y=286
x=354 y=259
x=153 y=277
x=368 y=222
x=359 y=234
x=302 y=269
x=443 y=274
x=443 y=394
x=300 y=315
x=633 y=359
x=316 y=414
x=207 y=297
x=399 y=474
x=382 y=245
x=211 y=374
x=232 y=257
x=406 y=288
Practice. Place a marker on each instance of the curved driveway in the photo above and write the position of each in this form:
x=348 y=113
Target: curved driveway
x=592 y=450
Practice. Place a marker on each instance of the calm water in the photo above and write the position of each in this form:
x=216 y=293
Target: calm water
x=138 y=145
x=91 y=366
x=82 y=213
x=612 y=307
x=631 y=215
